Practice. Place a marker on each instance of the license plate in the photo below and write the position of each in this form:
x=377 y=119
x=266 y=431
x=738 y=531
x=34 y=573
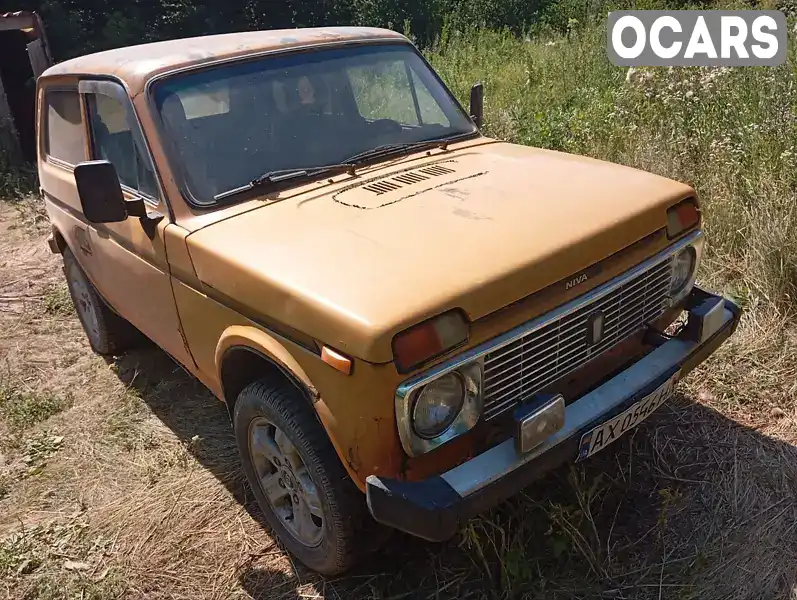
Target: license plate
x=606 y=433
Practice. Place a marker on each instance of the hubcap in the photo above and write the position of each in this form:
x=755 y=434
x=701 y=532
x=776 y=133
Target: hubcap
x=285 y=481
x=85 y=307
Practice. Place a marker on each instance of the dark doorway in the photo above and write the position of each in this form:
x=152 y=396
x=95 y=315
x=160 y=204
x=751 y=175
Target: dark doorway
x=20 y=88
x=24 y=55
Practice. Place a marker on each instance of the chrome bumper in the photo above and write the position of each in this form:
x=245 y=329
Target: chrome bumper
x=434 y=508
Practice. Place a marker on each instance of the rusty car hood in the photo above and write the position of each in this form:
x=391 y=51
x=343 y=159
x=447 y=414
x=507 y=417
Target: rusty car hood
x=478 y=228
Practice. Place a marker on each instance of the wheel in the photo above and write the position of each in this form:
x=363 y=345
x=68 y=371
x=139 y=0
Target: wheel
x=108 y=333
x=298 y=480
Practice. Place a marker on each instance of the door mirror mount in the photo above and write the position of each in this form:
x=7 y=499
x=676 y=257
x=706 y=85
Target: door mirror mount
x=136 y=208
x=100 y=192
x=477 y=104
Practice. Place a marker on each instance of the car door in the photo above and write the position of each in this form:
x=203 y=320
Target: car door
x=132 y=271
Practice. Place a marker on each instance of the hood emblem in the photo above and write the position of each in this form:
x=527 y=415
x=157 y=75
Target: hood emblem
x=579 y=279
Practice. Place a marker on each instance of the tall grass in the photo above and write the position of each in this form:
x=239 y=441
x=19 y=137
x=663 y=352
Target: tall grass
x=16 y=181
x=731 y=133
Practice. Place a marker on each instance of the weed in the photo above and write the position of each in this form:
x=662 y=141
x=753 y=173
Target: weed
x=16 y=182
x=57 y=560
x=22 y=408
x=57 y=301
x=38 y=449
x=728 y=132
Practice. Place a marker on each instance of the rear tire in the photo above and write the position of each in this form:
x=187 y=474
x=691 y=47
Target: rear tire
x=298 y=480
x=108 y=333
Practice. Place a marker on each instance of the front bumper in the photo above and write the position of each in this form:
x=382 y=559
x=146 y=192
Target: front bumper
x=434 y=508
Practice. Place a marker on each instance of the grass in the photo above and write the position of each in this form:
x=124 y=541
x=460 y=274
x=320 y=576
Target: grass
x=136 y=482
x=16 y=181
x=728 y=132
x=70 y=545
x=57 y=301
x=731 y=134
x=22 y=408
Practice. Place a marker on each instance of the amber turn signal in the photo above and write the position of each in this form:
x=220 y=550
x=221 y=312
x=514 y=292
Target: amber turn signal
x=336 y=360
x=421 y=343
x=681 y=217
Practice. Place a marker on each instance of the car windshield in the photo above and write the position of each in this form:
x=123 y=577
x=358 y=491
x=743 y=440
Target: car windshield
x=230 y=124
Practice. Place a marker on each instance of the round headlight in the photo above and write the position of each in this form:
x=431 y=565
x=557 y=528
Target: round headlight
x=682 y=269
x=438 y=404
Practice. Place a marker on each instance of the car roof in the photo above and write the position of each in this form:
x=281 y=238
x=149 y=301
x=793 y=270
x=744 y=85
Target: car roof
x=136 y=65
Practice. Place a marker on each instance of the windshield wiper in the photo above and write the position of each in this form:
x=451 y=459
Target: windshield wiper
x=280 y=175
x=385 y=149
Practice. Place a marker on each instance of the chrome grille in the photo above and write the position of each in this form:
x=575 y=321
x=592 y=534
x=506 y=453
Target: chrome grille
x=517 y=370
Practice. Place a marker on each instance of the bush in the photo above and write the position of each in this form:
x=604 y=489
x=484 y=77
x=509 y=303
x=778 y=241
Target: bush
x=16 y=181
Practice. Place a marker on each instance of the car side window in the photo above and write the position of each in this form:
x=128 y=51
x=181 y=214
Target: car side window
x=115 y=140
x=64 y=139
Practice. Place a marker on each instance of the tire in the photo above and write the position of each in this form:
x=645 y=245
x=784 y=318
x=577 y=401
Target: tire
x=108 y=333
x=271 y=417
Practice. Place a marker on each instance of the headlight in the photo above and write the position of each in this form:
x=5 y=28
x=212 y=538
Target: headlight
x=683 y=268
x=437 y=405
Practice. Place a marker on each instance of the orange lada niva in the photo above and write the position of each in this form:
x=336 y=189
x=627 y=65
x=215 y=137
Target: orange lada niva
x=407 y=321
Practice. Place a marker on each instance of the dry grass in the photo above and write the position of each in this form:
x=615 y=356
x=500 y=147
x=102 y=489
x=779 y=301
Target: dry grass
x=133 y=490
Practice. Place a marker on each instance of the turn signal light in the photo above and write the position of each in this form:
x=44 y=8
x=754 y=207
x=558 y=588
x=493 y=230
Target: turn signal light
x=421 y=343
x=336 y=360
x=681 y=217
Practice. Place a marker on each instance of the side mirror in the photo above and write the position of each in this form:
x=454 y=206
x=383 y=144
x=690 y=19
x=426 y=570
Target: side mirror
x=477 y=104
x=100 y=192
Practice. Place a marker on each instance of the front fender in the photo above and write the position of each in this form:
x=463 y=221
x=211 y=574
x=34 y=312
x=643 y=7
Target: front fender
x=245 y=336
x=271 y=349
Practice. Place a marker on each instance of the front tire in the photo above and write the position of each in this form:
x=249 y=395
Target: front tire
x=108 y=333
x=298 y=480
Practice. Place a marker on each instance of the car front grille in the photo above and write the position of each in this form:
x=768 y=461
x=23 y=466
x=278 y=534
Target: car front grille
x=522 y=367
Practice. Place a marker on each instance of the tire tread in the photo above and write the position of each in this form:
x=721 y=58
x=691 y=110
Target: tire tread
x=357 y=534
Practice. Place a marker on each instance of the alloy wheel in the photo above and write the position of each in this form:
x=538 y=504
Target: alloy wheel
x=285 y=481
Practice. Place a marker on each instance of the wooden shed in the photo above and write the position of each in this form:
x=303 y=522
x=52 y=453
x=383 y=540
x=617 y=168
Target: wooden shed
x=24 y=55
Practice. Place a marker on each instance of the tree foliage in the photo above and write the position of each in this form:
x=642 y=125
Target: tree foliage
x=78 y=27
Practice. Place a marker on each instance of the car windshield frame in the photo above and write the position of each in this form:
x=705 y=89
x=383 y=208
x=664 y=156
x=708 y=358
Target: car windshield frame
x=177 y=165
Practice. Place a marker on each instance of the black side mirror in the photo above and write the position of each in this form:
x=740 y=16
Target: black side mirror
x=477 y=104
x=100 y=192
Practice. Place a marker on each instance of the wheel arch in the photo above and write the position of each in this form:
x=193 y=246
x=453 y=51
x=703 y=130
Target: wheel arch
x=245 y=354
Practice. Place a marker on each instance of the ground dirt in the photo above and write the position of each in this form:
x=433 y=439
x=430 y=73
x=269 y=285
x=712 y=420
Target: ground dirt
x=120 y=480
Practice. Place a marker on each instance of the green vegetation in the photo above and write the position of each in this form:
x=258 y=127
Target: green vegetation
x=57 y=301
x=80 y=26
x=22 y=408
x=15 y=181
x=61 y=558
x=732 y=133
